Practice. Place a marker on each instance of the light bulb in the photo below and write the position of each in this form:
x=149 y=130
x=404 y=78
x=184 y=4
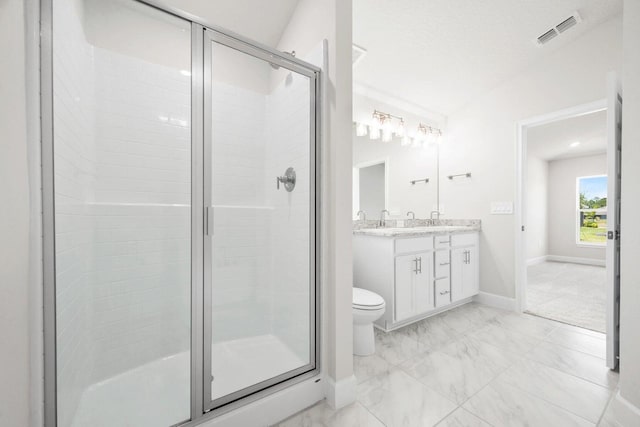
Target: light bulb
x=387 y=135
x=361 y=129
x=400 y=129
x=374 y=132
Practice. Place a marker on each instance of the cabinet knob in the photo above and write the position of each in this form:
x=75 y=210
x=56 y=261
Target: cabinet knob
x=444 y=292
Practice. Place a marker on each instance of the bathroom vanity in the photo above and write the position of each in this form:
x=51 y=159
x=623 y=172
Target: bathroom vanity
x=418 y=271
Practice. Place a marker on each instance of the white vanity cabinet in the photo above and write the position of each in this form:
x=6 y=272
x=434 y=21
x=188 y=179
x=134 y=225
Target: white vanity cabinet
x=416 y=275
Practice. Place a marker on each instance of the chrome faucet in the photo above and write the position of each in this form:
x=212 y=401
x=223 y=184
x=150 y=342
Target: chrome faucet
x=362 y=216
x=413 y=216
x=432 y=221
x=383 y=222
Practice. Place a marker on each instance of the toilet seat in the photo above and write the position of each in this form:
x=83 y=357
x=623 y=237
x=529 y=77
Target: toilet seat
x=366 y=300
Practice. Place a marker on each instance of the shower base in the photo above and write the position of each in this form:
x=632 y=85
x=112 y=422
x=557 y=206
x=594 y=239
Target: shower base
x=158 y=393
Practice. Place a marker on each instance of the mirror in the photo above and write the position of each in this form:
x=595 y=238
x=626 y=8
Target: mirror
x=383 y=173
x=370 y=187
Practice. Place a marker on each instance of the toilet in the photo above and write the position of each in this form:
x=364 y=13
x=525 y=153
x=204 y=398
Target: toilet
x=367 y=308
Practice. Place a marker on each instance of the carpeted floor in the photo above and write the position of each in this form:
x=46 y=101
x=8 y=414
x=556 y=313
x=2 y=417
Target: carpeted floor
x=569 y=293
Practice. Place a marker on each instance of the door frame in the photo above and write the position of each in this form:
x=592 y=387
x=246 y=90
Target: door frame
x=520 y=223
x=211 y=37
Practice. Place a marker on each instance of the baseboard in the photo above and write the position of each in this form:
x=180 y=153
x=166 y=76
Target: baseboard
x=624 y=412
x=342 y=393
x=497 y=301
x=576 y=260
x=537 y=260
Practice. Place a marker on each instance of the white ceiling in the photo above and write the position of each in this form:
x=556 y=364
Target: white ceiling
x=552 y=141
x=440 y=54
x=263 y=21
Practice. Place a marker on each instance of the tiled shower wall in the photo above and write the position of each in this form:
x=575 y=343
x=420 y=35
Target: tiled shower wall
x=74 y=185
x=241 y=244
x=140 y=270
x=122 y=190
x=287 y=137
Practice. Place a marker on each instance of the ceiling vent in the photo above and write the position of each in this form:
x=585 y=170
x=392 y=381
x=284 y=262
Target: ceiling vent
x=357 y=53
x=563 y=26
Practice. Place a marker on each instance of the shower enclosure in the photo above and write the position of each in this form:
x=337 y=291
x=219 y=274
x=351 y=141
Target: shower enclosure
x=180 y=190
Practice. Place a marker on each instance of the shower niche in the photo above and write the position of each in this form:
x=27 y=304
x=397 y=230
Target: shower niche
x=181 y=263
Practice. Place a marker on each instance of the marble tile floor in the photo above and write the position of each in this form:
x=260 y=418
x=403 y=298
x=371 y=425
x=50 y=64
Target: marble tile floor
x=569 y=293
x=477 y=366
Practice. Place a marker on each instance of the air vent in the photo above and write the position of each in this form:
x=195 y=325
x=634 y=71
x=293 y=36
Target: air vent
x=357 y=53
x=563 y=26
x=547 y=36
x=566 y=24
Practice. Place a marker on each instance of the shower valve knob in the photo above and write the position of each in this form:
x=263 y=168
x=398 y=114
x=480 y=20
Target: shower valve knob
x=288 y=179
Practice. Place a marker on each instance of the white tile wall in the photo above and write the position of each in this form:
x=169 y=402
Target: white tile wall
x=287 y=136
x=74 y=183
x=242 y=245
x=140 y=269
x=122 y=182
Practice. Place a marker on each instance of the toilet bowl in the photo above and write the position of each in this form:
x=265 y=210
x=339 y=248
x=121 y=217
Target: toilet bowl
x=367 y=308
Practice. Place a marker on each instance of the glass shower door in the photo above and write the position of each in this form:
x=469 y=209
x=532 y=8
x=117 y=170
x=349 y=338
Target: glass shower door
x=260 y=216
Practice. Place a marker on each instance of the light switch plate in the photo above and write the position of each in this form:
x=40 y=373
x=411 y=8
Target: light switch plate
x=501 y=208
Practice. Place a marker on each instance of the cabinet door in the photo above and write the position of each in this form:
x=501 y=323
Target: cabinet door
x=464 y=272
x=423 y=296
x=406 y=267
x=413 y=285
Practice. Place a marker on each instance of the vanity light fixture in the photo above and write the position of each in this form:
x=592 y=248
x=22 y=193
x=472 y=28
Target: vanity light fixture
x=381 y=127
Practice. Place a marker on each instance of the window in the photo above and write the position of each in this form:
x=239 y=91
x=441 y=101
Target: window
x=591 y=210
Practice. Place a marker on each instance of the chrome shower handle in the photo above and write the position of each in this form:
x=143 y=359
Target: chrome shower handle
x=288 y=179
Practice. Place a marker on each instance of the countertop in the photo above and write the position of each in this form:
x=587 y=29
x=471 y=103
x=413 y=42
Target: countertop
x=417 y=231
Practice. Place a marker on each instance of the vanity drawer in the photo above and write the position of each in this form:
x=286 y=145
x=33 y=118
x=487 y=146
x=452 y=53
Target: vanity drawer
x=414 y=244
x=442 y=241
x=442 y=262
x=468 y=239
x=443 y=292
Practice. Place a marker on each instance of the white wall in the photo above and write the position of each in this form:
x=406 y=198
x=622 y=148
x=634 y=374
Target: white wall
x=536 y=206
x=14 y=220
x=630 y=227
x=562 y=205
x=481 y=139
x=311 y=22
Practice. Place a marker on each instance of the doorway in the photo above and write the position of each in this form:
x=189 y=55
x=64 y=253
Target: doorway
x=567 y=244
x=566 y=217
